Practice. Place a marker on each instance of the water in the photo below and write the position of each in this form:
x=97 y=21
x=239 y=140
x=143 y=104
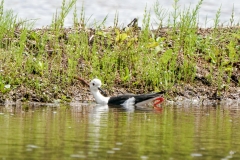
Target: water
x=98 y=9
x=98 y=132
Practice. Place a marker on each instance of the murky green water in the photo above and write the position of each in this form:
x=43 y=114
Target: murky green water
x=88 y=132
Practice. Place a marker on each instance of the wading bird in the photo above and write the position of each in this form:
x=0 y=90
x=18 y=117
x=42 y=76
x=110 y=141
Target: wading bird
x=126 y=100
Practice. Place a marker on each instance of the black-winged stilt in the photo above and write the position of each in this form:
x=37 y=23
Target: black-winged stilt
x=124 y=100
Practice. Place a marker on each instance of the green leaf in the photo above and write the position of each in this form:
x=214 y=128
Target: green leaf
x=166 y=57
x=153 y=45
x=121 y=37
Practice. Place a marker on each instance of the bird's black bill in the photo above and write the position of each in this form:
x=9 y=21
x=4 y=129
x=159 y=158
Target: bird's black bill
x=102 y=91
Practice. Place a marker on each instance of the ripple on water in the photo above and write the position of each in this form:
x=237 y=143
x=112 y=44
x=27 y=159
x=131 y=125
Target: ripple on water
x=144 y=157
x=110 y=152
x=78 y=156
x=119 y=143
x=196 y=154
x=31 y=147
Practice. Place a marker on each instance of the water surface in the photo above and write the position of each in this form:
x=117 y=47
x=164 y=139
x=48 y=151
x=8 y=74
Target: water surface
x=99 y=132
x=97 y=10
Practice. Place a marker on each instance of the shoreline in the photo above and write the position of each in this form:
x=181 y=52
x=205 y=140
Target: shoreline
x=186 y=98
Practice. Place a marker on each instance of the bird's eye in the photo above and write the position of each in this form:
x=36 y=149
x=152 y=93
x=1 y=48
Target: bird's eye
x=93 y=84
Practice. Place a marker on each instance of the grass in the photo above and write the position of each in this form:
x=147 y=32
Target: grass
x=40 y=64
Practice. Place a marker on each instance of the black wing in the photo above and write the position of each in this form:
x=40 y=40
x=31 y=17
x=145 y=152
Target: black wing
x=118 y=100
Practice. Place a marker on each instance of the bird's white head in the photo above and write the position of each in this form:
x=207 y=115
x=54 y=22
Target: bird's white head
x=95 y=84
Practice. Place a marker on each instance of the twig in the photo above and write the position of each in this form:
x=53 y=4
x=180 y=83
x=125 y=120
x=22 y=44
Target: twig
x=82 y=80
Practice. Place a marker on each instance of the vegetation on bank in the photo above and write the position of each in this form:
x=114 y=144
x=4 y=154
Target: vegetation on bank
x=41 y=64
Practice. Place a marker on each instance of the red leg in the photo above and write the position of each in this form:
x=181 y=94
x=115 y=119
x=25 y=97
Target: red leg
x=157 y=101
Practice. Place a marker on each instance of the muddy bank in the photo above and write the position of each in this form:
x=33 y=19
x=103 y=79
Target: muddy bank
x=197 y=93
x=187 y=100
x=186 y=95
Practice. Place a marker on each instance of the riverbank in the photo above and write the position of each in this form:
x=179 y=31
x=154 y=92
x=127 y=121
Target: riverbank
x=189 y=62
x=207 y=84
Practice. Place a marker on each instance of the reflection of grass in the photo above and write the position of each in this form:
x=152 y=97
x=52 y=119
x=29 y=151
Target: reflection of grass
x=47 y=60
